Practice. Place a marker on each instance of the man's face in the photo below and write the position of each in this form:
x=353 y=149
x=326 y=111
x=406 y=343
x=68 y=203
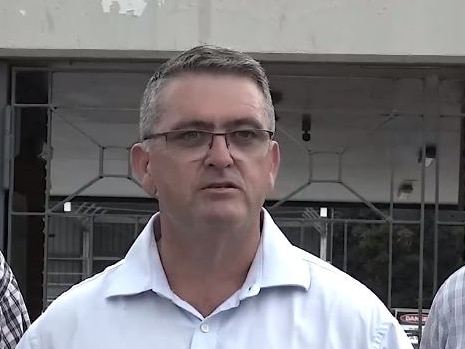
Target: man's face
x=224 y=186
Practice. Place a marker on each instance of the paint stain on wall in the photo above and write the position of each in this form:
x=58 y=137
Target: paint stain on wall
x=126 y=7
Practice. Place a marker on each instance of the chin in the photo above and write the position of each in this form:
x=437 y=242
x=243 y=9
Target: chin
x=223 y=214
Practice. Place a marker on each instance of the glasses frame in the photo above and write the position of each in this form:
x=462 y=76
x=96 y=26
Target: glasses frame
x=154 y=136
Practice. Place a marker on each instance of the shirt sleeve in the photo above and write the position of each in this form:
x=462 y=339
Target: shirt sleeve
x=435 y=333
x=29 y=341
x=446 y=319
x=14 y=319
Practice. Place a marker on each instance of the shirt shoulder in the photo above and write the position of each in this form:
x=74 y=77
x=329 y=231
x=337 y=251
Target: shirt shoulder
x=337 y=283
x=343 y=300
x=64 y=313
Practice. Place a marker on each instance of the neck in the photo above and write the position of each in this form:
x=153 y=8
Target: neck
x=205 y=268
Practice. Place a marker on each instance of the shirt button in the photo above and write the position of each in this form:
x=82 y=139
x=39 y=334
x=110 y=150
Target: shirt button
x=204 y=328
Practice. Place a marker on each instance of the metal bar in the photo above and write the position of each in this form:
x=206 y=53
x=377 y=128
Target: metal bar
x=5 y=118
x=337 y=77
x=366 y=202
x=95 y=108
x=32 y=105
x=339 y=168
x=370 y=132
x=290 y=195
x=310 y=166
x=106 y=258
x=325 y=152
x=85 y=247
x=436 y=208
x=302 y=236
x=291 y=137
x=327 y=181
x=116 y=176
x=422 y=231
x=74 y=215
x=71 y=196
x=75 y=69
x=129 y=173
x=451 y=223
x=391 y=226
x=91 y=246
x=81 y=132
x=291 y=221
x=12 y=166
x=331 y=241
x=346 y=246
x=324 y=245
x=458 y=115
x=101 y=159
x=48 y=186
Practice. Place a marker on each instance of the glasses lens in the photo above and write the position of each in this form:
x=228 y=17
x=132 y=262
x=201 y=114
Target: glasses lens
x=190 y=144
x=248 y=142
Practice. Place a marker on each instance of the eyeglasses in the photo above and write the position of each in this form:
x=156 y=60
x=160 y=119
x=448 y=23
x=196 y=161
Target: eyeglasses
x=194 y=144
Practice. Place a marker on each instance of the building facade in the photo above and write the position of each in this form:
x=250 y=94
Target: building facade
x=369 y=96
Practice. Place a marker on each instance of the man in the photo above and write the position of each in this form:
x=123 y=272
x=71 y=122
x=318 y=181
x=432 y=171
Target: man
x=445 y=326
x=14 y=319
x=211 y=269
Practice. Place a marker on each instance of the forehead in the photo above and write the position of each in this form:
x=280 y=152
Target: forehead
x=217 y=99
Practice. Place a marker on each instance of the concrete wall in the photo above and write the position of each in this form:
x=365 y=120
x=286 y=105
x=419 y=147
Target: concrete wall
x=413 y=30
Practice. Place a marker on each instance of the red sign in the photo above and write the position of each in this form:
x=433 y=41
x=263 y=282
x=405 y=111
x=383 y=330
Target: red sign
x=412 y=318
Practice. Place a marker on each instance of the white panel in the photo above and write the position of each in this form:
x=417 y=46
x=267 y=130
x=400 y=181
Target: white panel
x=365 y=27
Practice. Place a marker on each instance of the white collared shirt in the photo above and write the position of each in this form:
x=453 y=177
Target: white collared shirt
x=290 y=300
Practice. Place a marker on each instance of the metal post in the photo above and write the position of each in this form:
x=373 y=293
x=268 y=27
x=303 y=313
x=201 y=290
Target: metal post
x=91 y=246
x=48 y=186
x=436 y=209
x=302 y=237
x=324 y=244
x=344 y=262
x=331 y=240
x=391 y=227
x=4 y=138
x=422 y=232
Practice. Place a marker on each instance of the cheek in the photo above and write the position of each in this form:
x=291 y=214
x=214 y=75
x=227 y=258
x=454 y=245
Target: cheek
x=174 y=178
x=257 y=176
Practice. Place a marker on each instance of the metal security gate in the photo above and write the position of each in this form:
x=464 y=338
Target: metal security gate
x=82 y=239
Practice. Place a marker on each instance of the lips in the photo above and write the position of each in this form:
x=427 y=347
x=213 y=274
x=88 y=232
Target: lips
x=221 y=185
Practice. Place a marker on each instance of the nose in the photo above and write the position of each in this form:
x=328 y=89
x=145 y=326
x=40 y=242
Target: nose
x=218 y=154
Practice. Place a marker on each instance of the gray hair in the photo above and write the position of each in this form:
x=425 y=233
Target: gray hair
x=201 y=59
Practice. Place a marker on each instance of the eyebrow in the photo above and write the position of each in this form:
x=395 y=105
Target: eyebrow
x=209 y=126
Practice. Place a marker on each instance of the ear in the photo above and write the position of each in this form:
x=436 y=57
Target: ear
x=275 y=158
x=140 y=162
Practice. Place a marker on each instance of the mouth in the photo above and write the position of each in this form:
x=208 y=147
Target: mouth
x=221 y=186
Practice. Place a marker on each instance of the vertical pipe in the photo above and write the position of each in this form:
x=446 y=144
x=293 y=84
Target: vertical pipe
x=331 y=233
x=436 y=208
x=12 y=164
x=302 y=237
x=47 y=191
x=391 y=227
x=91 y=246
x=344 y=263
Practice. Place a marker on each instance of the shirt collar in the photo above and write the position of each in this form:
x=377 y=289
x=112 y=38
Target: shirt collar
x=276 y=263
x=141 y=269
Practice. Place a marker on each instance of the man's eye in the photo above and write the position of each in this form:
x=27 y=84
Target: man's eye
x=244 y=134
x=187 y=136
x=190 y=135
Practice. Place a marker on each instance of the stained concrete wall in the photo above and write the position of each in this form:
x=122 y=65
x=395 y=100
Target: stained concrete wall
x=372 y=30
